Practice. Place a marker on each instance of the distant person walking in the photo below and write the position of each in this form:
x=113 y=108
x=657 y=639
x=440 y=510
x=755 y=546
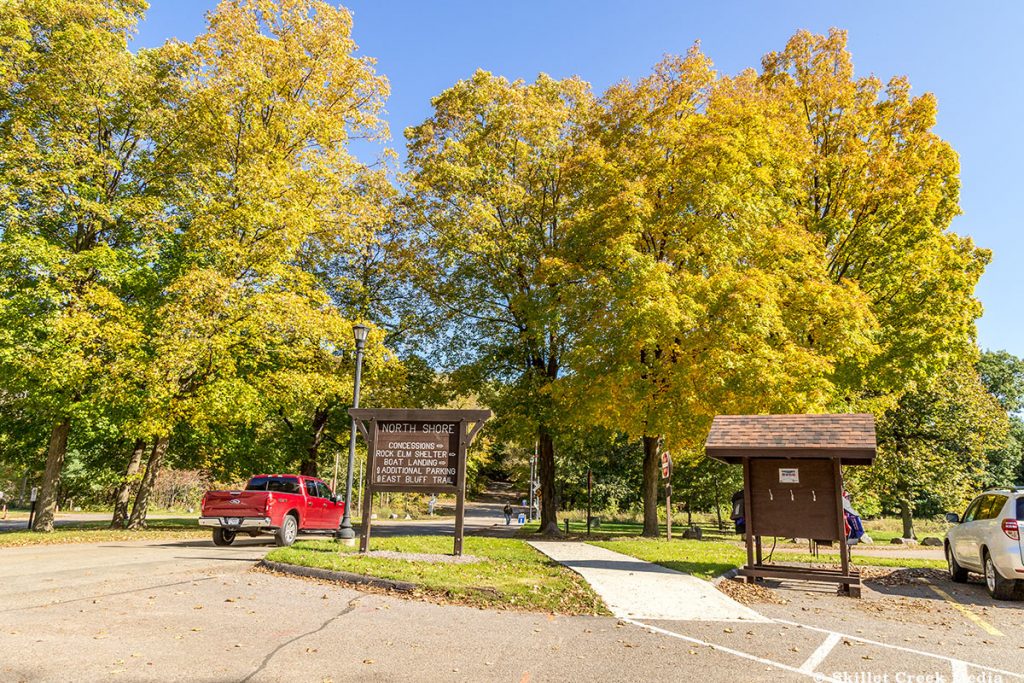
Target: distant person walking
x=508 y=514
x=3 y=504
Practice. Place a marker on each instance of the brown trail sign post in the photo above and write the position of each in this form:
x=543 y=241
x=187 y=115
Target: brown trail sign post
x=417 y=451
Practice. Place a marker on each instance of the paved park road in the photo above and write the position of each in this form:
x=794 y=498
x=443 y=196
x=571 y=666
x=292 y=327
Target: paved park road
x=187 y=611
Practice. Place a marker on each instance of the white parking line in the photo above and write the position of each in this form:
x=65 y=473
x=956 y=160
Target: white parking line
x=818 y=656
x=956 y=664
x=729 y=650
x=960 y=669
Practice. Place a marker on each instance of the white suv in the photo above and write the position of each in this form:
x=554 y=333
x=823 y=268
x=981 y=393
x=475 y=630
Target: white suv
x=987 y=541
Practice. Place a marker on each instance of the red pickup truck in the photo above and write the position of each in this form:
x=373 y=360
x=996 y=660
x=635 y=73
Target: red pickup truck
x=279 y=504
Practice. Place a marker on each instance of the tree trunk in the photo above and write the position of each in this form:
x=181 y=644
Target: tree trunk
x=124 y=492
x=907 y=515
x=309 y=465
x=548 y=502
x=156 y=456
x=652 y=470
x=46 y=507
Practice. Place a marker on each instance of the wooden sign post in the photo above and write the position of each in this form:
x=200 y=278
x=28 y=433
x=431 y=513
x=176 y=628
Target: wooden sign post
x=417 y=451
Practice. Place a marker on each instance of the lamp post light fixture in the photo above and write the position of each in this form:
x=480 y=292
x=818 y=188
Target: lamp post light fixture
x=345 y=532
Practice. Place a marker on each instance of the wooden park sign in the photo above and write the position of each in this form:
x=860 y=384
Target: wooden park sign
x=417 y=451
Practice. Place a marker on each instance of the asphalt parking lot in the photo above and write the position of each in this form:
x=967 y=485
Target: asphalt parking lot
x=189 y=611
x=920 y=626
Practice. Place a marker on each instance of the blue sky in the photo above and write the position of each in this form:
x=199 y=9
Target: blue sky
x=963 y=52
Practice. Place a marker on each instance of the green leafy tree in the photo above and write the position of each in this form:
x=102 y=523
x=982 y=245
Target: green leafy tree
x=701 y=484
x=934 y=443
x=245 y=334
x=77 y=206
x=1003 y=375
x=494 y=185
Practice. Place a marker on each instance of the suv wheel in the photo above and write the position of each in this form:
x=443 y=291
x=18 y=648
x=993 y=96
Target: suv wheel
x=288 y=531
x=222 y=536
x=956 y=573
x=998 y=587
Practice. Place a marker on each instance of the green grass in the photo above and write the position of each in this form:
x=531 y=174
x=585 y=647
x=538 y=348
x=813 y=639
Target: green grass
x=510 y=574
x=708 y=559
x=865 y=560
x=881 y=530
x=885 y=529
x=99 y=532
x=610 y=529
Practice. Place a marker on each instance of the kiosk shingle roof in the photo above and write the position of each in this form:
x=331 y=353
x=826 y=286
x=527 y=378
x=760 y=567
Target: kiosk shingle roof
x=848 y=436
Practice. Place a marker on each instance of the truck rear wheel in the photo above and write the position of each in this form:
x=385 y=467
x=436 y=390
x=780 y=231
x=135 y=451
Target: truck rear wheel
x=222 y=536
x=289 y=529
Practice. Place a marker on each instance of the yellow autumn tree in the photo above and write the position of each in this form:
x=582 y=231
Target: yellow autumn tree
x=244 y=331
x=494 y=185
x=707 y=294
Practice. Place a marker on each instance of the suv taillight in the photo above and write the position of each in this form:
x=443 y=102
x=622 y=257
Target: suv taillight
x=1010 y=529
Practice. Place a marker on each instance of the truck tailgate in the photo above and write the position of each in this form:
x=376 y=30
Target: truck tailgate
x=235 y=504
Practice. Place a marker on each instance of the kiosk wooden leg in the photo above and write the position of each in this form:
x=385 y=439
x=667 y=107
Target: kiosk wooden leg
x=748 y=521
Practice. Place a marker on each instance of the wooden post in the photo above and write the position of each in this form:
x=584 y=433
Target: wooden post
x=668 y=506
x=460 y=495
x=371 y=449
x=747 y=518
x=844 y=553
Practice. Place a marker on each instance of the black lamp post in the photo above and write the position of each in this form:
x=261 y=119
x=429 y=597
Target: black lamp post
x=345 y=531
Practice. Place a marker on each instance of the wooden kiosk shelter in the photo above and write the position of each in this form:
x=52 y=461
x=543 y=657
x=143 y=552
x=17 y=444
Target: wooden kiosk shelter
x=793 y=483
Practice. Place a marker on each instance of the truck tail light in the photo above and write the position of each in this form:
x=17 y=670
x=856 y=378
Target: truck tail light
x=1010 y=529
x=270 y=501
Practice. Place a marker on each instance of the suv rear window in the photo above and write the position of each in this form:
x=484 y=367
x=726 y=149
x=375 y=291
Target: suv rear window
x=992 y=506
x=279 y=484
x=1020 y=508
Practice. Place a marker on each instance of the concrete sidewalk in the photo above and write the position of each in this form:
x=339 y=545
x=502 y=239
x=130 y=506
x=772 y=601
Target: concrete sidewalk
x=636 y=589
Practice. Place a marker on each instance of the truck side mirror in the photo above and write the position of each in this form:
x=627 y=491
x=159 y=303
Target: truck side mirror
x=952 y=518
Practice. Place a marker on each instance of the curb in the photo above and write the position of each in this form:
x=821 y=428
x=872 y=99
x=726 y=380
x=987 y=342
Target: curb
x=338 y=576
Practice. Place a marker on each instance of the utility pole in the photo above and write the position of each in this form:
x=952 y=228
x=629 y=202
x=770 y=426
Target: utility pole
x=666 y=474
x=533 y=468
x=590 y=485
